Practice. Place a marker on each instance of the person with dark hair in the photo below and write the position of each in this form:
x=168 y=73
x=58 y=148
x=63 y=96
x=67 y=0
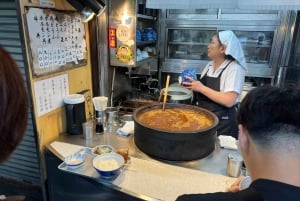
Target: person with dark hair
x=269 y=138
x=13 y=107
x=221 y=81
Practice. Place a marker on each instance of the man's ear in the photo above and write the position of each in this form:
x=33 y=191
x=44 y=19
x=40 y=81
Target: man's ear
x=243 y=138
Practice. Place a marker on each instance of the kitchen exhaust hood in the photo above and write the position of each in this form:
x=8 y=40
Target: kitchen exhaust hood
x=234 y=4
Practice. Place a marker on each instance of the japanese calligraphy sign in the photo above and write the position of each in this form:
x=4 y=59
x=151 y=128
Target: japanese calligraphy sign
x=57 y=40
x=49 y=93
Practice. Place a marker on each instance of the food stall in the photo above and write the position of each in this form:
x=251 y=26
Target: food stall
x=148 y=177
x=144 y=178
x=180 y=43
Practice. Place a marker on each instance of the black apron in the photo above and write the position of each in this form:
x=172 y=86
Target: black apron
x=227 y=116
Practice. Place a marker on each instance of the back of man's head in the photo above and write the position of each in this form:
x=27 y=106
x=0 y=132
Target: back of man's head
x=272 y=116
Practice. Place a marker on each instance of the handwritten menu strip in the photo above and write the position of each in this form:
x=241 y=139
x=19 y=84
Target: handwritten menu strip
x=57 y=40
x=49 y=93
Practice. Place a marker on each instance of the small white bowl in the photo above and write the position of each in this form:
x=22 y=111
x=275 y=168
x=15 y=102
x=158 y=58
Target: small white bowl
x=102 y=149
x=245 y=183
x=75 y=160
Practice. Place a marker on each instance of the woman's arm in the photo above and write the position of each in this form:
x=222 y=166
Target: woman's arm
x=226 y=99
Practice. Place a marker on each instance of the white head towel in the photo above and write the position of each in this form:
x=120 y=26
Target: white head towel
x=233 y=47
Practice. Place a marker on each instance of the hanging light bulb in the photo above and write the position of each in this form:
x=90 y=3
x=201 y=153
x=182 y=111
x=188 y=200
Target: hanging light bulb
x=87 y=14
x=88 y=8
x=97 y=6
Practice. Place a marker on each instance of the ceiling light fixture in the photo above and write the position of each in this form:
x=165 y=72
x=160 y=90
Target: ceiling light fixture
x=96 y=5
x=88 y=8
x=87 y=14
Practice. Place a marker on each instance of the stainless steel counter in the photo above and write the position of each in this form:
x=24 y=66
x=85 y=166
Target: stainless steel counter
x=215 y=163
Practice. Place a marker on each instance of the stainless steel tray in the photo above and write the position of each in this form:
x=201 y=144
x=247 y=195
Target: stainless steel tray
x=86 y=169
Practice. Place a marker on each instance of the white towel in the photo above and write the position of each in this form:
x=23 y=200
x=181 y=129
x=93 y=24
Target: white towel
x=65 y=149
x=127 y=129
x=233 y=47
x=228 y=142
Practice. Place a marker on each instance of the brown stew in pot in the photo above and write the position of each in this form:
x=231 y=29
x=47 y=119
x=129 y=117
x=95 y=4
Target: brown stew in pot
x=176 y=119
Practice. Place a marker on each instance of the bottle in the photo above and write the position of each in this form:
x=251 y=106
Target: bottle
x=99 y=124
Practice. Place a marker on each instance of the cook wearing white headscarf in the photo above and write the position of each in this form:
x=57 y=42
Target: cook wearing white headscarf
x=233 y=47
x=221 y=81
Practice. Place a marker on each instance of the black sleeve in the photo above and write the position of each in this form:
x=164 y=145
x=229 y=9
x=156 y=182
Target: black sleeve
x=250 y=194
x=220 y=196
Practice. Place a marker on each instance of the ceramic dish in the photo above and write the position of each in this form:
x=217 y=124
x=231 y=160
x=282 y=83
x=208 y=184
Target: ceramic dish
x=101 y=149
x=245 y=183
x=75 y=160
x=108 y=165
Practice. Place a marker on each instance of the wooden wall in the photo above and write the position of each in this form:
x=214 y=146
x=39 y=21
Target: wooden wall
x=53 y=124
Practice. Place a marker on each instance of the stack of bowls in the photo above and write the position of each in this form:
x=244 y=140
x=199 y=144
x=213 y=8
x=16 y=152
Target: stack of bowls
x=149 y=35
x=138 y=35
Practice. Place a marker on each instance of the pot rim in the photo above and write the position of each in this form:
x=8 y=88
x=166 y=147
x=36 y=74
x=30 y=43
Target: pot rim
x=171 y=105
x=187 y=94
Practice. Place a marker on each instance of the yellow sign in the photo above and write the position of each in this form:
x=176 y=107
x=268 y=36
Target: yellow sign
x=124 y=53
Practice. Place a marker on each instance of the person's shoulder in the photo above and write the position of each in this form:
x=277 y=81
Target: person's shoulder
x=275 y=190
x=218 y=196
x=235 y=66
x=268 y=183
x=209 y=64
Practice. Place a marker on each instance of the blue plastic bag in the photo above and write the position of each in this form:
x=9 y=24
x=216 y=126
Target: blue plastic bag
x=190 y=72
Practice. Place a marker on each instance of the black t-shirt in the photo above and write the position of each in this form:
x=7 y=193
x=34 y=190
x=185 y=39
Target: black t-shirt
x=259 y=190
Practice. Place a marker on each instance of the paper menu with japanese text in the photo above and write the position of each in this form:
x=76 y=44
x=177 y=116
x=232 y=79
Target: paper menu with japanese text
x=49 y=93
x=57 y=40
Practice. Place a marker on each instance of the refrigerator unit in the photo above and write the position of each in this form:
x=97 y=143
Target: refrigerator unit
x=186 y=35
x=288 y=73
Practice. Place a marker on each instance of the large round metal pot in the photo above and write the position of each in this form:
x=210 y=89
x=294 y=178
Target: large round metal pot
x=175 y=146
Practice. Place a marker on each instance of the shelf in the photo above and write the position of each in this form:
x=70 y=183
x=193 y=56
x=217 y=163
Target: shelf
x=148 y=59
x=146 y=66
x=255 y=45
x=145 y=42
x=205 y=44
x=187 y=43
x=146 y=17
